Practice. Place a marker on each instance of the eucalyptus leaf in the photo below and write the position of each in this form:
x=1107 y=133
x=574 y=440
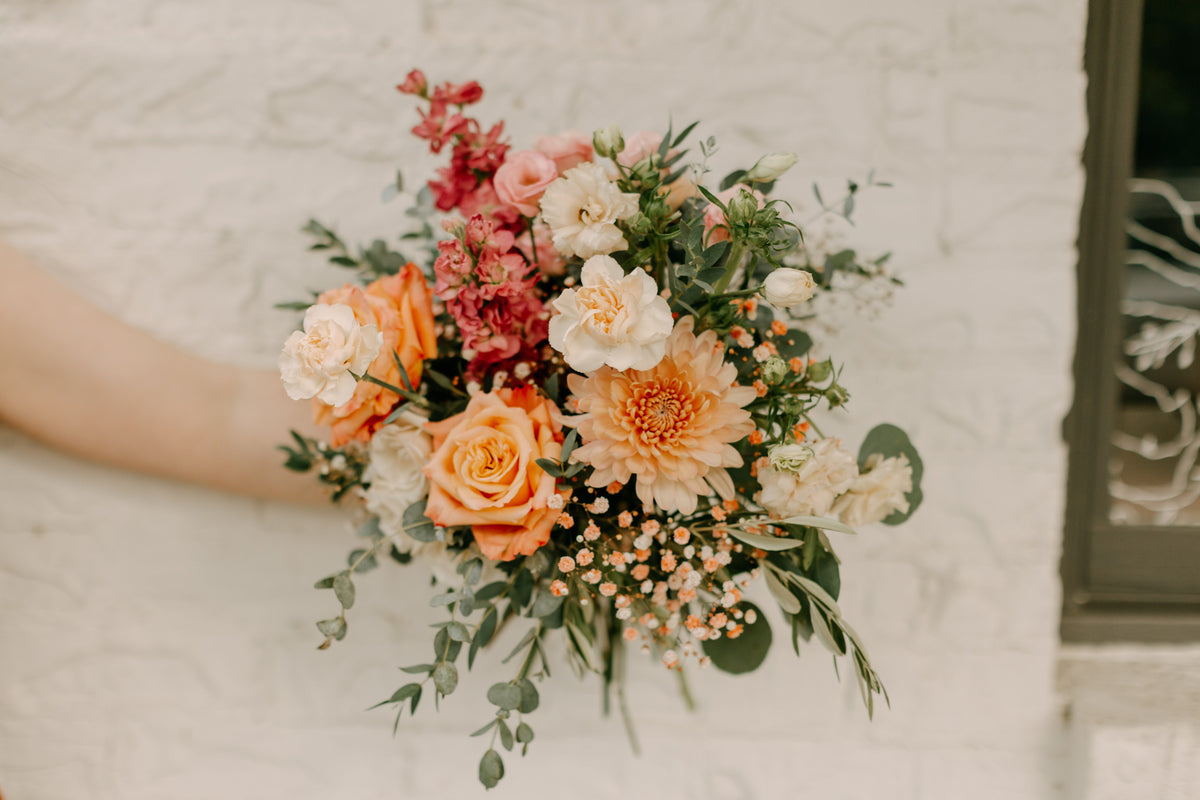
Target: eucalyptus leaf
x=524 y=733
x=400 y=695
x=889 y=441
x=529 y=696
x=545 y=604
x=506 y=736
x=343 y=588
x=522 y=588
x=787 y=601
x=491 y=769
x=486 y=728
x=418 y=669
x=746 y=652
x=458 y=632
x=768 y=543
x=490 y=591
x=504 y=695
x=335 y=627
x=824 y=523
x=821 y=629
x=417 y=525
x=445 y=677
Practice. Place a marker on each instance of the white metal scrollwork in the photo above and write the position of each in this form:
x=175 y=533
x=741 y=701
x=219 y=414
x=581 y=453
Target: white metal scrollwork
x=1154 y=477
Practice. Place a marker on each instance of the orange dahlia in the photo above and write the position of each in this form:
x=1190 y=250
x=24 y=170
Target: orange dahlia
x=670 y=425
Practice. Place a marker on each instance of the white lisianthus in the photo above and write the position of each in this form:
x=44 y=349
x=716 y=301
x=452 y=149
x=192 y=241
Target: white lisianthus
x=320 y=361
x=395 y=474
x=805 y=479
x=878 y=492
x=582 y=208
x=770 y=167
x=612 y=318
x=787 y=287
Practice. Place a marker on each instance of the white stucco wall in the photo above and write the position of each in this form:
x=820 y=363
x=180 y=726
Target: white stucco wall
x=156 y=640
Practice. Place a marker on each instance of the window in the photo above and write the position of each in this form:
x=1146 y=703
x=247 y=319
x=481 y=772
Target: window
x=1131 y=560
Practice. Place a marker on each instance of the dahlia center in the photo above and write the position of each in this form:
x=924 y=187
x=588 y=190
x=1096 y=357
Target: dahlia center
x=661 y=412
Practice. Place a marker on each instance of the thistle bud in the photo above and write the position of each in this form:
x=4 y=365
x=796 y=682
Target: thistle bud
x=770 y=167
x=742 y=208
x=608 y=142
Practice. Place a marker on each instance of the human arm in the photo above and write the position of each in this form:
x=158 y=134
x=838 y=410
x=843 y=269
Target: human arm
x=84 y=382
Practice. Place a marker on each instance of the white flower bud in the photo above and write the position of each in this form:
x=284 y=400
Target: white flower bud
x=608 y=141
x=770 y=167
x=787 y=287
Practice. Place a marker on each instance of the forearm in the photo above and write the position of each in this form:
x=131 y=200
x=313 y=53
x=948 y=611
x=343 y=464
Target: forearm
x=88 y=384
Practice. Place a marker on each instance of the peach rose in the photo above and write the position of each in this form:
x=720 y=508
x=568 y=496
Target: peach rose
x=566 y=150
x=484 y=472
x=522 y=178
x=401 y=307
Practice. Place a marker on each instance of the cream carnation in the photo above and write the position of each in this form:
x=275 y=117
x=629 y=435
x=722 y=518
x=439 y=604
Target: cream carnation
x=398 y=453
x=804 y=479
x=582 y=208
x=613 y=318
x=320 y=361
x=875 y=494
x=671 y=426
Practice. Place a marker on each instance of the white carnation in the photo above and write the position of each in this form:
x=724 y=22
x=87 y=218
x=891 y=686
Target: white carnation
x=804 y=479
x=787 y=287
x=582 y=208
x=320 y=361
x=612 y=318
x=876 y=493
x=398 y=452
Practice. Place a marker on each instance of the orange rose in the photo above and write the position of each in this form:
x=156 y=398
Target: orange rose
x=484 y=472
x=401 y=307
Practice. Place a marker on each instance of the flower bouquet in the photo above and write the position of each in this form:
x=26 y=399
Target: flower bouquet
x=589 y=405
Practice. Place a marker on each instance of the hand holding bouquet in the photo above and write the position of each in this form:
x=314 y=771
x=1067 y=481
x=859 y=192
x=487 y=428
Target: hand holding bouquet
x=595 y=400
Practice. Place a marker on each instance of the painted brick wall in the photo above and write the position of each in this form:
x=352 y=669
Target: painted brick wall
x=156 y=640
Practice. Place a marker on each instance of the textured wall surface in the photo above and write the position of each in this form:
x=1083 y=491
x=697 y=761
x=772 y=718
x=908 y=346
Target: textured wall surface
x=156 y=640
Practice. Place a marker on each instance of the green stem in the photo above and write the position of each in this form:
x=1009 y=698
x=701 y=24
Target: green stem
x=528 y=663
x=618 y=648
x=736 y=251
x=684 y=691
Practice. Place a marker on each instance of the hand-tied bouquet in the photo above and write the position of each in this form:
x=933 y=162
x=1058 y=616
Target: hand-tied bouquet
x=599 y=413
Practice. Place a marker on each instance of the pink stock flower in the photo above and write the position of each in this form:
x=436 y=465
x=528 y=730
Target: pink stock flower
x=461 y=94
x=490 y=292
x=414 y=83
x=437 y=128
x=522 y=178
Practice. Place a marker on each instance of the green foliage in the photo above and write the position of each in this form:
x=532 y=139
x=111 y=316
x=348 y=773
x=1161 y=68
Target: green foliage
x=889 y=441
x=491 y=769
x=746 y=652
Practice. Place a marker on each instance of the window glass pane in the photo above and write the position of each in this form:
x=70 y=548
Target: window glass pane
x=1154 y=476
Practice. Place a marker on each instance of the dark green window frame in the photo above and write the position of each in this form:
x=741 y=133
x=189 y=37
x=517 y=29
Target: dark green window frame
x=1120 y=582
